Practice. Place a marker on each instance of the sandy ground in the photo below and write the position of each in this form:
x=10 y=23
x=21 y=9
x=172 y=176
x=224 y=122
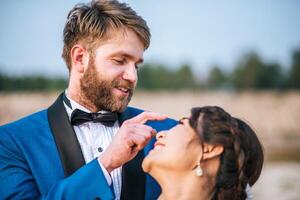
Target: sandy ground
x=278 y=181
x=274 y=116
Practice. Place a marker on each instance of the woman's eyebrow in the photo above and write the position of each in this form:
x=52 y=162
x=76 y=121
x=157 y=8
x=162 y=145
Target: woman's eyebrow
x=181 y=120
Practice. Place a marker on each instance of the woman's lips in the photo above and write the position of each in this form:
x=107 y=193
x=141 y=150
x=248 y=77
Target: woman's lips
x=158 y=145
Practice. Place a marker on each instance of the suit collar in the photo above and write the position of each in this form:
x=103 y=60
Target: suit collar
x=65 y=137
x=133 y=177
x=123 y=116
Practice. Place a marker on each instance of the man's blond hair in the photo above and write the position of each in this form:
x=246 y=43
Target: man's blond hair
x=95 y=22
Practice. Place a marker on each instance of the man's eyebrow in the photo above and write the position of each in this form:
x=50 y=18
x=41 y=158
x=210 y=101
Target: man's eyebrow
x=122 y=53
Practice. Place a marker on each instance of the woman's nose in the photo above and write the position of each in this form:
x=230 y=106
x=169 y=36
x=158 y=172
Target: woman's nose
x=160 y=135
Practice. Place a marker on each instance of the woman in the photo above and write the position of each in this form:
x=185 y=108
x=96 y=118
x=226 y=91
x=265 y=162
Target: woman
x=210 y=155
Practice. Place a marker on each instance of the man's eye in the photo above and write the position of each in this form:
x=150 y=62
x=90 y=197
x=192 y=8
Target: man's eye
x=138 y=66
x=119 y=61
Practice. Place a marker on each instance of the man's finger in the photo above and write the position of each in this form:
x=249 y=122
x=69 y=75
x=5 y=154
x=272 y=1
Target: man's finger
x=143 y=130
x=138 y=141
x=145 y=116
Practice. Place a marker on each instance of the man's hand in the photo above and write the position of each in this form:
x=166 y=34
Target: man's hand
x=132 y=137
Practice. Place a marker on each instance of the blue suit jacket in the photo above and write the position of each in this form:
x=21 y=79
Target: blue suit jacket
x=40 y=157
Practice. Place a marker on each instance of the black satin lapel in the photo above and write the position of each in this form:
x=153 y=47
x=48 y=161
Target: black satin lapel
x=124 y=116
x=65 y=137
x=133 y=179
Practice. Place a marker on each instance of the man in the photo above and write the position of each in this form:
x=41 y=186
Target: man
x=88 y=144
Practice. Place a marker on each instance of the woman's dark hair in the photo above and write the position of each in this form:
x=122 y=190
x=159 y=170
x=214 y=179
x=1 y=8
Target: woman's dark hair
x=242 y=159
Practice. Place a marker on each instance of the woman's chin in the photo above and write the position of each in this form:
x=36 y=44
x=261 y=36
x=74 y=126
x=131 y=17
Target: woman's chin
x=146 y=165
x=152 y=162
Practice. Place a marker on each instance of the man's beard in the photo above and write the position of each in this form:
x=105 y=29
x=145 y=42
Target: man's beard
x=99 y=91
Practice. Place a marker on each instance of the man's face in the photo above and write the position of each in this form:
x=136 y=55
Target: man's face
x=111 y=76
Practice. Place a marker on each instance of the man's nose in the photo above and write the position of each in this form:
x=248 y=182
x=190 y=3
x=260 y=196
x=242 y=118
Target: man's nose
x=130 y=74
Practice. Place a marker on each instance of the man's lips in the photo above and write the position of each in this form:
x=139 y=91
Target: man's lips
x=124 y=90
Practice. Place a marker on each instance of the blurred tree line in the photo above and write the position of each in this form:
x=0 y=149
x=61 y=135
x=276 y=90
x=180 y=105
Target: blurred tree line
x=250 y=72
x=31 y=83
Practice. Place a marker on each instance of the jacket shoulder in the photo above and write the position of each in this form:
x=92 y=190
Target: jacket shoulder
x=134 y=111
x=26 y=124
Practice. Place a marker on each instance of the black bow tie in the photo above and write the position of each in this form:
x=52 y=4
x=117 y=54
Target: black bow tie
x=79 y=117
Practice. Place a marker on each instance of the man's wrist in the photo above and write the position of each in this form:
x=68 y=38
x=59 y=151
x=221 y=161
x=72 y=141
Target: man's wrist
x=106 y=173
x=106 y=163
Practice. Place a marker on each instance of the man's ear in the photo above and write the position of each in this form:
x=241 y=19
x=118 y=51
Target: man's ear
x=211 y=151
x=79 y=58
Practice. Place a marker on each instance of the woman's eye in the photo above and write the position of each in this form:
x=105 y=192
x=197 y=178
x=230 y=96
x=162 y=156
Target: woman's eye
x=181 y=120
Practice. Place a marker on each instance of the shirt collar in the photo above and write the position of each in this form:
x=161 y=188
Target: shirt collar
x=76 y=105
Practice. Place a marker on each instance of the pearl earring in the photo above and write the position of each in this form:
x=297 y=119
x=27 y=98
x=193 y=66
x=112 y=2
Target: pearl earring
x=199 y=171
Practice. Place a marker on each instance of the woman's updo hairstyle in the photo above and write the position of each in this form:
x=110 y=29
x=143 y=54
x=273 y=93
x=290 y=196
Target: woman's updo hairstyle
x=242 y=159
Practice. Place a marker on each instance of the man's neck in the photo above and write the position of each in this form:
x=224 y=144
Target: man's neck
x=80 y=99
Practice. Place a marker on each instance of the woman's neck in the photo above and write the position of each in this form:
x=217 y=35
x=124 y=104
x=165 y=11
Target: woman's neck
x=184 y=187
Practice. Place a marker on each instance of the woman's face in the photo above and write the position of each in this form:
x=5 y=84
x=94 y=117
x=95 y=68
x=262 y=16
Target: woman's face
x=176 y=149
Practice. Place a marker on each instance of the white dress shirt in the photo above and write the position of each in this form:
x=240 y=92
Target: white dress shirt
x=94 y=139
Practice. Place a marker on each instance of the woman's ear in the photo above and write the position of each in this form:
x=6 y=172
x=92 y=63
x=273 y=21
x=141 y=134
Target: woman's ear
x=79 y=58
x=211 y=151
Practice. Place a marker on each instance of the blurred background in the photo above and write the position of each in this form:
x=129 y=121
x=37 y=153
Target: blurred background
x=242 y=56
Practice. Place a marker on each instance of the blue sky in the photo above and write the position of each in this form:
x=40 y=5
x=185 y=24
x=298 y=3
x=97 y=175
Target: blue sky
x=201 y=33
